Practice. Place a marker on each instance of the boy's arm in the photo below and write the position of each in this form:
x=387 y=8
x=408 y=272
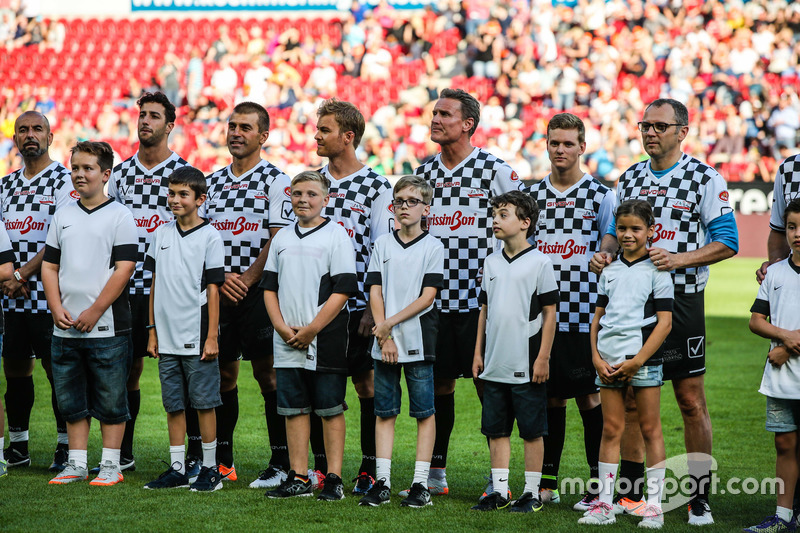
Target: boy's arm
x=152 y=334
x=306 y=334
x=384 y=327
x=477 y=360
x=541 y=366
x=276 y=317
x=211 y=348
x=762 y=327
x=52 y=291
x=118 y=282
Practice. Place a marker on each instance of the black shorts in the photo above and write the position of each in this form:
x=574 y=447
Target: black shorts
x=455 y=344
x=140 y=318
x=359 y=358
x=245 y=331
x=572 y=373
x=503 y=403
x=27 y=335
x=684 y=351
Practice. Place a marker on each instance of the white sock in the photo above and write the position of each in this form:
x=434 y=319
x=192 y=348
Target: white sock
x=421 y=471
x=2 y=441
x=177 y=454
x=383 y=470
x=607 y=472
x=18 y=436
x=655 y=485
x=63 y=438
x=532 y=482
x=80 y=457
x=784 y=513
x=500 y=481
x=210 y=453
x=110 y=454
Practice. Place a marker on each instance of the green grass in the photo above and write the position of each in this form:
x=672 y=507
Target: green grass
x=741 y=447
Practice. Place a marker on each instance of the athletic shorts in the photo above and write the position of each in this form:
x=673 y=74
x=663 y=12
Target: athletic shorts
x=140 y=317
x=505 y=402
x=28 y=335
x=245 y=331
x=359 y=357
x=302 y=391
x=455 y=344
x=572 y=373
x=186 y=377
x=683 y=354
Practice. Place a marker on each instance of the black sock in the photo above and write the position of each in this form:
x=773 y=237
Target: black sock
x=318 y=445
x=553 y=446
x=445 y=419
x=700 y=472
x=227 y=416
x=592 y=433
x=61 y=424
x=631 y=480
x=367 y=436
x=796 y=500
x=134 y=401
x=19 y=404
x=276 y=427
x=194 y=446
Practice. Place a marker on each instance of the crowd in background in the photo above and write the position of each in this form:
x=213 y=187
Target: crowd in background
x=735 y=64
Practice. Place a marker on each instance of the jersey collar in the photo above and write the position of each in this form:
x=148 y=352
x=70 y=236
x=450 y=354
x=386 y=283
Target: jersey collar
x=410 y=243
x=182 y=233
x=301 y=235
x=627 y=263
x=48 y=168
x=94 y=209
x=523 y=252
x=156 y=168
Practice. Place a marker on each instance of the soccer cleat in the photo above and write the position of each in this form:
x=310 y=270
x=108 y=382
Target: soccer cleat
x=363 y=483
x=208 y=480
x=125 y=463
x=60 y=458
x=492 y=502
x=228 y=474
x=549 y=496
x=170 y=479
x=377 y=495
x=291 y=487
x=418 y=496
x=599 y=514
x=527 y=504
x=490 y=488
x=771 y=524
x=653 y=517
x=625 y=505
x=3 y=468
x=110 y=474
x=317 y=479
x=270 y=478
x=699 y=512
x=193 y=466
x=333 y=488
x=15 y=458
x=586 y=502
x=70 y=474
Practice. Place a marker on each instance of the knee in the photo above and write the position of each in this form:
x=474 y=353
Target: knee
x=613 y=427
x=266 y=379
x=227 y=379
x=442 y=387
x=22 y=368
x=785 y=443
x=692 y=403
x=651 y=431
x=364 y=385
x=588 y=402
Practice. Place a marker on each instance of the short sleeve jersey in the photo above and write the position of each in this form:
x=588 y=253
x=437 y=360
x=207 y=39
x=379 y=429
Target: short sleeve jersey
x=28 y=208
x=86 y=244
x=305 y=268
x=244 y=208
x=514 y=290
x=6 y=256
x=460 y=216
x=631 y=294
x=777 y=298
x=785 y=189
x=403 y=270
x=185 y=263
x=685 y=201
x=145 y=192
x=362 y=204
x=569 y=231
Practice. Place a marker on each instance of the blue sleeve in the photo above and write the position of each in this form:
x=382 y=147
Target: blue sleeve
x=723 y=229
x=612 y=228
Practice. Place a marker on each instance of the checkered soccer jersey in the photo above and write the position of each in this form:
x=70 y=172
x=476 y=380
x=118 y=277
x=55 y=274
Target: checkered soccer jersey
x=144 y=192
x=362 y=204
x=785 y=189
x=28 y=208
x=685 y=201
x=244 y=208
x=570 y=227
x=460 y=216
x=6 y=256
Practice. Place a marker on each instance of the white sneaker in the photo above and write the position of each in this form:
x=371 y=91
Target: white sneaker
x=70 y=474
x=271 y=478
x=549 y=496
x=653 y=517
x=699 y=513
x=599 y=514
x=586 y=502
x=110 y=474
x=436 y=486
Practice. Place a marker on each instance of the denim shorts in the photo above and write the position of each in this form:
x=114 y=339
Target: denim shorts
x=302 y=391
x=646 y=376
x=505 y=402
x=90 y=378
x=186 y=377
x=782 y=415
x=419 y=380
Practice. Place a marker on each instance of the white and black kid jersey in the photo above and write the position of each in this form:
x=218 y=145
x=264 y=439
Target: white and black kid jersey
x=515 y=290
x=305 y=266
x=569 y=231
x=185 y=263
x=6 y=256
x=28 y=208
x=631 y=294
x=403 y=270
x=785 y=189
x=85 y=244
x=460 y=216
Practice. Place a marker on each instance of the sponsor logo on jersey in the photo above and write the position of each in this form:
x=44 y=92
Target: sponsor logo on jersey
x=447 y=184
x=589 y=215
x=24 y=192
x=723 y=196
x=358 y=208
x=391 y=208
x=663 y=234
x=235 y=186
x=560 y=203
x=48 y=200
x=349 y=231
x=653 y=192
x=25 y=225
x=148 y=181
x=514 y=176
x=150 y=223
x=565 y=250
x=74 y=194
x=288 y=191
x=683 y=205
x=477 y=193
x=260 y=197
x=237 y=226
x=337 y=194
x=455 y=221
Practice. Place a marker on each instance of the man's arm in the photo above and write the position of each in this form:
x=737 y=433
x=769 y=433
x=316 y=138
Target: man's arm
x=236 y=285
x=711 y=253
x=13 y=288
x=608 y=250
x=777 y=249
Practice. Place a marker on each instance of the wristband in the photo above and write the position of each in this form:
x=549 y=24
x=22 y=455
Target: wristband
x=389 y=337
x=150 y=326
x=18 y=277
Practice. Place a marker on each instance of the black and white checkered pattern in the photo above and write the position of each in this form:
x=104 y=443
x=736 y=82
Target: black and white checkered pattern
x=243 y=208
x=28 y=208
x=785 y=189
x=361 y=203
x=684 y=201
x=571 y=225
x=460 y=217
x=144 y=192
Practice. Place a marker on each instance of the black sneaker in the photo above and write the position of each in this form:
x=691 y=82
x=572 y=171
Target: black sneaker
x=193 y=466
x=527 y=504
x=171 y=479
x=60 y=458
x=492 y=502
x=363 y=482
x=418 y=496
x=333 y=489
x=208 y=480
x=16 y=458
x=378 y=494
x=291 y=487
